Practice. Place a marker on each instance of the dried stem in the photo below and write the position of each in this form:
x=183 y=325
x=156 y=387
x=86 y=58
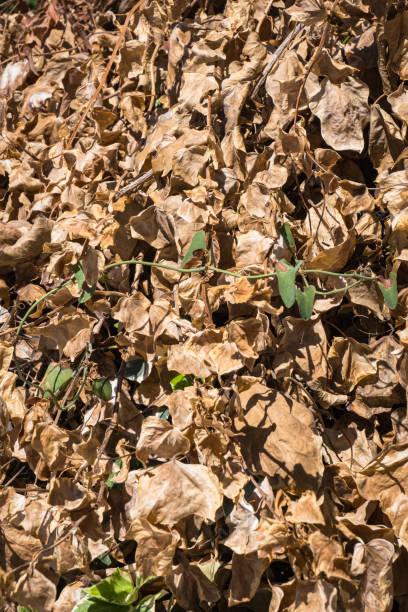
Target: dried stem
x=105 y=74
x=314 y=59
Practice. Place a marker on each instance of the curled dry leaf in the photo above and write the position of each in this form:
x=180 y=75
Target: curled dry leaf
x=21 y=245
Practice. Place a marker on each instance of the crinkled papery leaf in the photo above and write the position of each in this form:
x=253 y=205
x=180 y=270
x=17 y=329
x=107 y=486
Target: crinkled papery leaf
x=305 y=301
x=197 y=246
x=174 y=490
x=160 y=438
x=343 y=112
x=307 y=12
x=389 y=289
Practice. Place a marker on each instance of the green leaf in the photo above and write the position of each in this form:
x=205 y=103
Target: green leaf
x=102 y=388
x=86 y=294
x=55 y=380
x=24 y=609
x=180 y=382
x=105 y=559
x=94 y=604
x=210 y=568
x=78 y=273
x=110 y=483
x=305 y=301
x=389 y=289
x=286 y=281
x=197 y=245
x=287 y=235
x=141 y=580
x=118 y=588
x=148 y=603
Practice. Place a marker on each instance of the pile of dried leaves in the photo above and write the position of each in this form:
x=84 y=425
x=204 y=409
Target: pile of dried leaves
x=183 y=435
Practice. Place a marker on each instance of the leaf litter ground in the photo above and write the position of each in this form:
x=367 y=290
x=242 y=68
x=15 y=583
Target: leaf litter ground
x=203 y=305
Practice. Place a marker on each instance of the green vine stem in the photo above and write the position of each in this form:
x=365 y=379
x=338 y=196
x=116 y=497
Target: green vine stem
x=359 y=278
x=235 y=274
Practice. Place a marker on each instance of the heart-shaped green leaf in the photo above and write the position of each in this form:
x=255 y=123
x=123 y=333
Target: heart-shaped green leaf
x=55 y=380
x=102 y=388
x=286 y=281
x=389 y=289
x=197 y=245
x=305 y=301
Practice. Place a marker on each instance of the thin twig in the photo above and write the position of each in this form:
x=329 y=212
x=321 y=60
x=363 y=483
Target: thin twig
x=38 y=554
x=143 y=178
x=105 y=74
x=314 y=59
x=279 y=51
x=265 y=14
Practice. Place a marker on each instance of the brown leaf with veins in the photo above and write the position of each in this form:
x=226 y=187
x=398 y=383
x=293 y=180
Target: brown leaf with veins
x=275 y=438
x=158 y=437
x=173 y=491
x=343 y=113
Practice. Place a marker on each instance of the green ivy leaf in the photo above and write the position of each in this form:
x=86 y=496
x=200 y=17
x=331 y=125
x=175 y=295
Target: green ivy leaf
x=389 y=289
x=102 y=388
x=148 y=603
x=286 y=281
x=197 y=245
x=181 y=381
x=55 y=380
x=305 y=301
x=94 y=604
x=287 y=235
x=117 y=588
